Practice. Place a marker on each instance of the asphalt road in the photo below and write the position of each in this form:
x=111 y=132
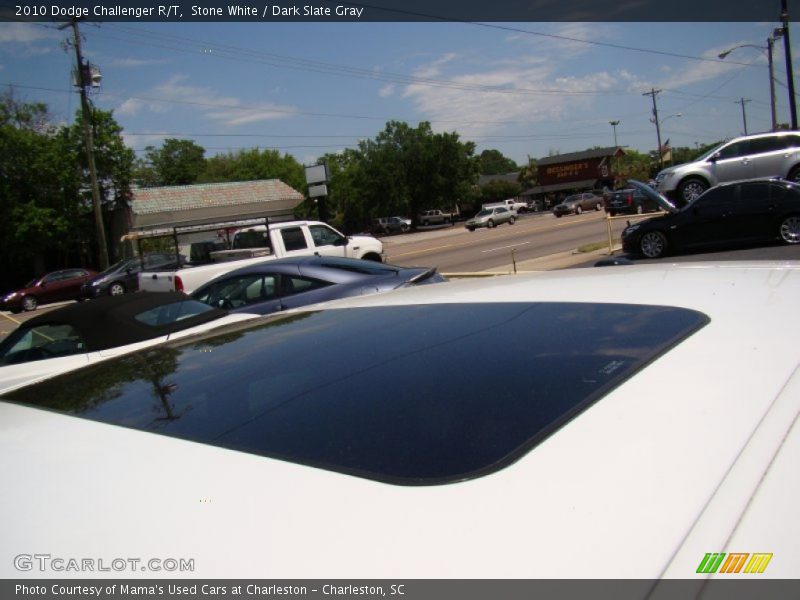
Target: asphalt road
x=455 y=249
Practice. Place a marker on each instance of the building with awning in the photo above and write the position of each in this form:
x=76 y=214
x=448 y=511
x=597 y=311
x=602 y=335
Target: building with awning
x=192 y=211
x=210 y=203
x=565 y=174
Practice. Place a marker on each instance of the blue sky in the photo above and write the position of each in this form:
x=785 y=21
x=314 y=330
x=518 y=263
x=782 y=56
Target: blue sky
x=526 y=89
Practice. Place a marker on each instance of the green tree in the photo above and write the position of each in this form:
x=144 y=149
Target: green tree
x=494 y=191
x=42 y=221
x=492 y=162
x=176 y=162
x=406 y=170
x=254 y=164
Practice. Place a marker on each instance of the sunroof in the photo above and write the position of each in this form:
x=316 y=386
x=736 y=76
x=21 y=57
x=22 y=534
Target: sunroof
x=410 y=395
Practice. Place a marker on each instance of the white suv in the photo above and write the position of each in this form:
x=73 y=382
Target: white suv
x=763 y=155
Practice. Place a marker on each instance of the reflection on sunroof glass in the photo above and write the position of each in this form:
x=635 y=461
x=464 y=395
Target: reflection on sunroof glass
x=413 y=395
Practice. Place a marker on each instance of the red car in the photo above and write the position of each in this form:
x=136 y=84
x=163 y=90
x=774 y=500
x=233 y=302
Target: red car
x=53 y=287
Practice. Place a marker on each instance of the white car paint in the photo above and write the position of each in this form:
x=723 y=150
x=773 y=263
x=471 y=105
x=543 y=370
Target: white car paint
x=16 y=376
x=696 y=453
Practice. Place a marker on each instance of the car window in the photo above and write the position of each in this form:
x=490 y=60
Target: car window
x=250 y=239
x=767 y=144
x=500 y=211
x=292 y=284
x=238 y=291
x=735 y=150
x=293 y=238
x=171 y=313
x=444 y=420
x=715 y=197
x=325 y=236
x=53 y=277
x=41 y=342
x=753 y=193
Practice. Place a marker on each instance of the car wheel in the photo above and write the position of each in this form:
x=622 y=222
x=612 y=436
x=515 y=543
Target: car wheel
x=599 y=206
x=511 y=221
x=490 y=223
x=639 y=209
x=653 y=244
x=790 y=230
x=691 y=188
x=558 y=215
x=612 y=213
x=30 y=303
x=116 y=289
x=794 y=174
x=578 y=210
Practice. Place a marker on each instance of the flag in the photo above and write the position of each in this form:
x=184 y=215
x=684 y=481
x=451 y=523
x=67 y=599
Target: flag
x=665 y=151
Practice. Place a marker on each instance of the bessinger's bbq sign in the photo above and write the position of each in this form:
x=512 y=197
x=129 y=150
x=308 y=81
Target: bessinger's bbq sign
x=580 y=170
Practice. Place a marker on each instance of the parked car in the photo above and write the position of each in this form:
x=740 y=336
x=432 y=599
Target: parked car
x=123 y=276
x=629 y=201
x=748 y=157
x=646 y=412
x=578 y=203
x=387 y=225
x=292 y=282
x=81 y=334
x=53 y=287
x=491 y=217
x=436 y=217
x=742 y=212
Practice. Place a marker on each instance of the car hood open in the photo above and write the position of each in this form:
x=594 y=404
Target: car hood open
x=663 y=202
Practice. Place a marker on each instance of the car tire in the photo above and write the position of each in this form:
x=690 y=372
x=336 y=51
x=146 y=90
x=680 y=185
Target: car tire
x=794 y=174
x=789 y=229
x=653 y=244
x=29 y=303
x=578 y=210
x=471 y=228
x=691 y=188
x=116 y=289
x=490 y=223
x=612 y=213
x=598 y=206
x=511 y=221
x=558 y=215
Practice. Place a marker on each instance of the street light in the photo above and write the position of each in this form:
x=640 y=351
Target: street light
x=770 y=40
x=614 y=125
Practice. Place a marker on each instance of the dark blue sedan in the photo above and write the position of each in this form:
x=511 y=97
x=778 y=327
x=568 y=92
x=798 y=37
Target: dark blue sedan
x=281 y=284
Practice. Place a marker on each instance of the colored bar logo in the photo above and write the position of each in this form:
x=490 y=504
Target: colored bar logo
x=734 y=562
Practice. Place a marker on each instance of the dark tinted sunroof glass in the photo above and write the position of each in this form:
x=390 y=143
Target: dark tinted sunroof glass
x=408 y=394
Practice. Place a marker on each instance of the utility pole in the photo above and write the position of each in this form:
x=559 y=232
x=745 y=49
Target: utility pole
x=102 y=250
x=787 y=49
x=653 y=93
x=614 y=125
x=743 y=101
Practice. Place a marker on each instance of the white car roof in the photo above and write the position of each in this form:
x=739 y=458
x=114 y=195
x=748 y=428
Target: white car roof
x=695 y=453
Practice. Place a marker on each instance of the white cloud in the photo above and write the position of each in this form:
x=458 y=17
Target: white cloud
x=24 y=33
x=387 y=90
x=226 y=110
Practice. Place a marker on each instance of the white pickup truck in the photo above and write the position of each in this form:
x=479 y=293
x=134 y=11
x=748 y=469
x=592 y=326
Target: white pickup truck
x=252 y=245
x=510 y=204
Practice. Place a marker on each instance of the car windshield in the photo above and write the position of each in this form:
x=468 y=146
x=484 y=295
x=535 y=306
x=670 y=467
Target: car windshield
x=121 y=265
x=311 y=387
x=572 y=199
x=708 y=154
x=484 y=213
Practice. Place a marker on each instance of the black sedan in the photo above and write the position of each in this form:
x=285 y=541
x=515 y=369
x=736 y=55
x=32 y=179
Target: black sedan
x=292 y=282
x=739 y=212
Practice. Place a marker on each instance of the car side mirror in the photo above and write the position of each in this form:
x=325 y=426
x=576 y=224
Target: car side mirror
x=714 y=157
x=342 y=241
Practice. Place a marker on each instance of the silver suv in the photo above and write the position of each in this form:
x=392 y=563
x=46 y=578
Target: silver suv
x=763 y=155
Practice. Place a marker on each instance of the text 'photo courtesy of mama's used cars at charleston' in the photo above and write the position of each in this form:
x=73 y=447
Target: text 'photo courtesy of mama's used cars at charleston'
x=736 y=213
x=639 y=407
